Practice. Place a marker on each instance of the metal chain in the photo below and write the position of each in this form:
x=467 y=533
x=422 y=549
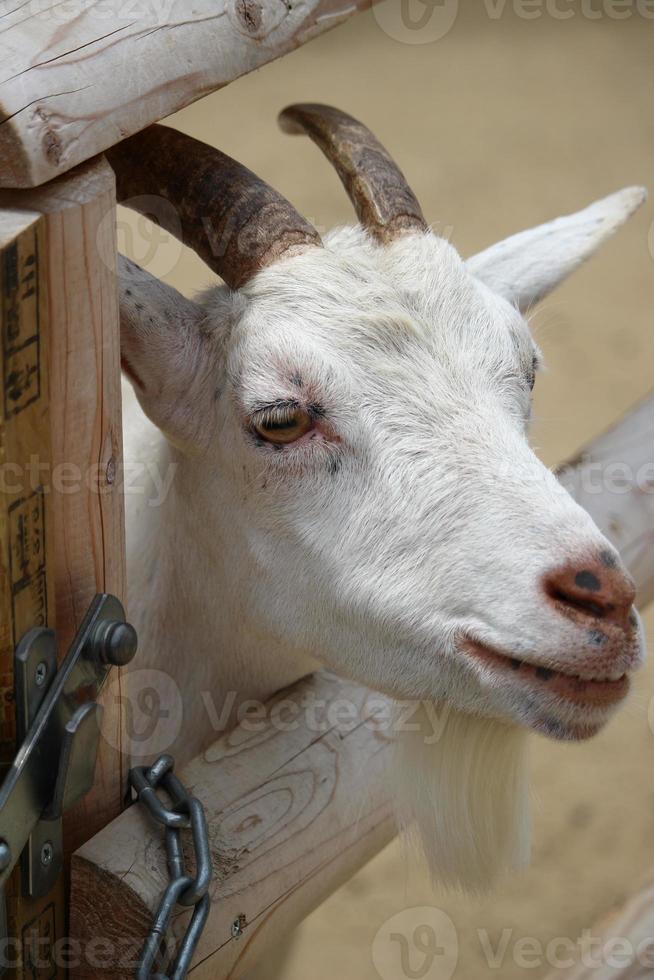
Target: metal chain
x=185 y=812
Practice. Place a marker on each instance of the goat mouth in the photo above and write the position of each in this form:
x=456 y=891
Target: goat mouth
x=596 y=692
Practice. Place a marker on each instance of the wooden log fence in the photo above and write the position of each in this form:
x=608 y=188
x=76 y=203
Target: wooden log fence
x=74 y=82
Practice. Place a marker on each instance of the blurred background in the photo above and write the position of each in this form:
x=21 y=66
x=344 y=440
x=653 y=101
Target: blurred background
x=502 y=115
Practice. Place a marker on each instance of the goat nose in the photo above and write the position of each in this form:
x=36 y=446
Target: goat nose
x=594 y=589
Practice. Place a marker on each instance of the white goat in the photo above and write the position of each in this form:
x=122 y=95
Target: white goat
x=353 y=485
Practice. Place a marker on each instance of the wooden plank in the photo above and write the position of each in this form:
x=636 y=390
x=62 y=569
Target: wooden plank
x=86 y=476
x=26 y=533
x=613 y=479
x=292 y=814
x=65 y=93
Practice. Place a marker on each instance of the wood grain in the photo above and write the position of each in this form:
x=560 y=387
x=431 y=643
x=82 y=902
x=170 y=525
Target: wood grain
x=292 y=814
x=26 y=534
x=77 y=78
x=294 y=808
x=86 y=475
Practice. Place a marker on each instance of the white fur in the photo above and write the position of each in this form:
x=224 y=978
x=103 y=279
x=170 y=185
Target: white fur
x=421 y=519
x=466 y=795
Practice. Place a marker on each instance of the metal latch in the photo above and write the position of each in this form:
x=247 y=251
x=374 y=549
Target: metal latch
x=58 y=723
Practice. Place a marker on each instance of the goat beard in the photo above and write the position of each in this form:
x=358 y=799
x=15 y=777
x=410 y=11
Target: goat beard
x=462 y=795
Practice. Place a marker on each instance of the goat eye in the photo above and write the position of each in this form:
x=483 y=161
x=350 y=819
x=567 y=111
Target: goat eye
x=281 y=424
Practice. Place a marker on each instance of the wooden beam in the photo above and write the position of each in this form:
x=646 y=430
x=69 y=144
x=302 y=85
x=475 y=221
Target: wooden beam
x=289 y=820
x=65 y=93
x=613 y=479
x=86 y=476
x=292 y=814
x=26 y=536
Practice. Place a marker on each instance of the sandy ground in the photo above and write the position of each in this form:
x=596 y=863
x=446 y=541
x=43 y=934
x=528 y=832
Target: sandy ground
x=502 y=123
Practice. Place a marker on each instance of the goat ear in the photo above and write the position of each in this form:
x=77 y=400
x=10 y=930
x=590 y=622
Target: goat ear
x=527 y=266
x=163 y=353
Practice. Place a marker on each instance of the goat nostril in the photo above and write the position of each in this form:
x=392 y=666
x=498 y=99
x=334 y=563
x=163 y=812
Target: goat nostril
x=598 y=590
x=577 y=602
x=586 y=580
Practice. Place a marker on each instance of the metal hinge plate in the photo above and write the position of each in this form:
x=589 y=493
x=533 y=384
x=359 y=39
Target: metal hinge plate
x=59 y=729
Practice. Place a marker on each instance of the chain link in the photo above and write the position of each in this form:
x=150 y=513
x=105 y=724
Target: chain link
x=185 y=812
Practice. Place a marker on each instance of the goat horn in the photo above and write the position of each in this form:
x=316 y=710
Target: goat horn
x=385 y=204
x=230 y=217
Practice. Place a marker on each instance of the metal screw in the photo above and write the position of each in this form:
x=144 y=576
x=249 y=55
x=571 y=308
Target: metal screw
x=238 y=926
x=5 y=855
x=41 y=673
x=47 y=853
x=115 y=643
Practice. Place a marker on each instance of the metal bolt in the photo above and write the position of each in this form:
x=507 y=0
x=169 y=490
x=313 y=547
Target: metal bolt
x=5 y=855
x=238 y=926
x=41 y=673
x=47 y=853
x=115 y=643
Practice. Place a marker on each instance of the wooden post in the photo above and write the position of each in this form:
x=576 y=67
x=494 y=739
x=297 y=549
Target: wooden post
x=27 y=567
x=86 y=476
